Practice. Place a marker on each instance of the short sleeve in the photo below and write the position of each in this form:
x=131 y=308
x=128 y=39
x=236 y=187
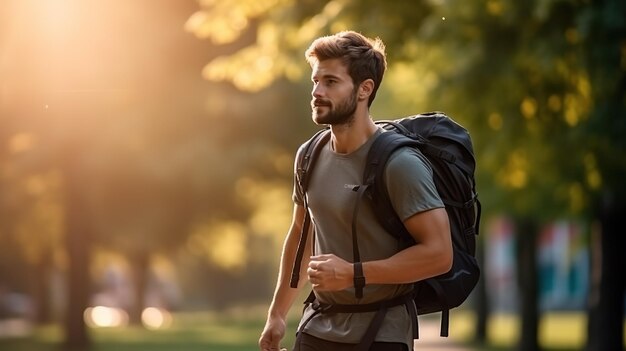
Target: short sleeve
x=409 y=180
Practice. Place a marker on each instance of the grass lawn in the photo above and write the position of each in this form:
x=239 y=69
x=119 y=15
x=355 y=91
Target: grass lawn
x=239 y=331
x=206 y=331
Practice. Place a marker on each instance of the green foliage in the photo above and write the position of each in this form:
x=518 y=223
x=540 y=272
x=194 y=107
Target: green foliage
x=514 y=73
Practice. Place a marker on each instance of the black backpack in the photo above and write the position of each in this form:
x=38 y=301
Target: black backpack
x=448 y=148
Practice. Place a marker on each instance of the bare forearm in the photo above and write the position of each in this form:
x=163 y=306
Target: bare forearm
x=284 y=295
x=410 y=265
x=331 y=273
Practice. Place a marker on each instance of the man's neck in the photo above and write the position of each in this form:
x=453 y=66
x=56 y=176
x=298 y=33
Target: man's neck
x=347 y=138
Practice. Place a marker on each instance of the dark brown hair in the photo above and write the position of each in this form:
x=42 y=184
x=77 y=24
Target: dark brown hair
x=364 y=57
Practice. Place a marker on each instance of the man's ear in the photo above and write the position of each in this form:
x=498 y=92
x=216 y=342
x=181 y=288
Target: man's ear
x=365 y=89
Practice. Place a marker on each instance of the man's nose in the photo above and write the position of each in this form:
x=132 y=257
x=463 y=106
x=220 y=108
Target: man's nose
x=317 y=91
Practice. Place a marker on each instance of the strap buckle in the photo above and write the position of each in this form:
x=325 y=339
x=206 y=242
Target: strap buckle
x=320 y=307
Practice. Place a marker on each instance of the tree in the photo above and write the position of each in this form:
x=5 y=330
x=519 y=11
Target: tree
x=603 y=27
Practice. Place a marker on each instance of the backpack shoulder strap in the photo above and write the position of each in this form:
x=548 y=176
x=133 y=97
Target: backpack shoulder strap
x=309 y=152
x=306 y=158
x=382 y=148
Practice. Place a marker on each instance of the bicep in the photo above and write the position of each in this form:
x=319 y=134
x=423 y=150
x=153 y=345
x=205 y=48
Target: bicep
x=430 y=227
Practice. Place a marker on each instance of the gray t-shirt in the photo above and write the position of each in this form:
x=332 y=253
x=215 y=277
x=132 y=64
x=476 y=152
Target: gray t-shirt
x=331 y=201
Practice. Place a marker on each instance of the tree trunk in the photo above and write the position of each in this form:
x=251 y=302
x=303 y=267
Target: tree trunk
x=605 y=63
x=481 y=302
x=78 y=243
x=606 y=303
x=141 y=265
x=41 y=290
x=527 y=276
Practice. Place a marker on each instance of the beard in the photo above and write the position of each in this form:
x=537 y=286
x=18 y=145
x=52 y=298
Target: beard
x=341 y=114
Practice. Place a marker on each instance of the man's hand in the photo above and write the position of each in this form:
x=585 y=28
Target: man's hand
x=330 y=273
x=272 y=334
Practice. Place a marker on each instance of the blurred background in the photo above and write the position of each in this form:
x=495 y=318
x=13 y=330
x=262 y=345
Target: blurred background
x=146 y=156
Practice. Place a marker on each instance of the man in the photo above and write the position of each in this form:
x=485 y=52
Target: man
x=347 y=70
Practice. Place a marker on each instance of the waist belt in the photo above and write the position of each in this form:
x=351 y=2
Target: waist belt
x=380 y=307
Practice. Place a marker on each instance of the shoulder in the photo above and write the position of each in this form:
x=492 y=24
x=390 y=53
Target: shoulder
x=307 y=148
x=321 y=136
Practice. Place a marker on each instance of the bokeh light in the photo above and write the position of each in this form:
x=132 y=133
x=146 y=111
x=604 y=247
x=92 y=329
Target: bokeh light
x=156 y=318
x=105 y=317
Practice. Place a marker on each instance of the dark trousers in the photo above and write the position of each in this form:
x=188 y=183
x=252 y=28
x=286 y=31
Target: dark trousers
x=308 y=342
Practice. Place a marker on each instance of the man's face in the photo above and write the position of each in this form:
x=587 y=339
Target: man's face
x=334 y=95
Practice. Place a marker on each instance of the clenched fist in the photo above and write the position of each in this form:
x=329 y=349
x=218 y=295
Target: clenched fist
x=330 y=273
